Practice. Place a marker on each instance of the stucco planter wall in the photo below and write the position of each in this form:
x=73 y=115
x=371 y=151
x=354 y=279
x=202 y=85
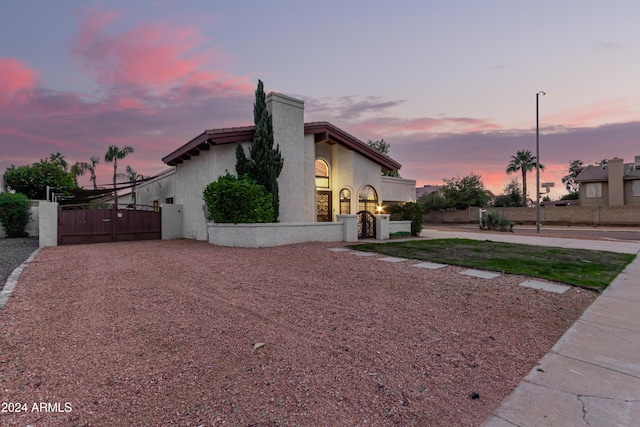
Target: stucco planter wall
x=275 y=234
x=398 y=226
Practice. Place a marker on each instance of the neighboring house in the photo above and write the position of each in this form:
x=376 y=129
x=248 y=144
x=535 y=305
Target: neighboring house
x=530 y=203
x=155 y=190
x=614 y=184
x=3 y=187
x=427 y=189
x=326 y=171
x=492 y=197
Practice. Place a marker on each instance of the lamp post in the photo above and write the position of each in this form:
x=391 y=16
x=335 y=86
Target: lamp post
x=538 y=164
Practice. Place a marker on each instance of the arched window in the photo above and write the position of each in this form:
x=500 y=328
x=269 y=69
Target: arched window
x=367 y=199
x=345 y=201
x=322 y=174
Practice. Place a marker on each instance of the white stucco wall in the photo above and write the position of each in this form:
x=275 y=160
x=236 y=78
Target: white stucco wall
x=398 y=189
x=48 y=223
x=397 y=226
x=353 y=171
x=296 y=181
x=350 y=170
x=33 y=227
x=277 y=234
x=171 y=216
x=193 y=176
x=160 y=188
x=364 y=172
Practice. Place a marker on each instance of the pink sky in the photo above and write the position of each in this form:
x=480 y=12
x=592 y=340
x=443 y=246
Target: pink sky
x=154 y=82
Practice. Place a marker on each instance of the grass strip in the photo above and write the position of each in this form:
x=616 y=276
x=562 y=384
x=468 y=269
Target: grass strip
x=591 y=269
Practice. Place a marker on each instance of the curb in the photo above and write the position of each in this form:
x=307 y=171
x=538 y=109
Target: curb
x=12 y=281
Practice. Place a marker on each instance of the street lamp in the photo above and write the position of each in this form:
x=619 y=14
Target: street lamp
x=538 y=164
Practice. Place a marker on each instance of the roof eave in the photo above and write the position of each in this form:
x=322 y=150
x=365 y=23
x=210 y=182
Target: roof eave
x=325 y=131
x=207 y=138
x=183 y=153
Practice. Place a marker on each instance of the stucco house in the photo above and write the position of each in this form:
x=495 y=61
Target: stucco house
x=327 y=172
x=614 y=184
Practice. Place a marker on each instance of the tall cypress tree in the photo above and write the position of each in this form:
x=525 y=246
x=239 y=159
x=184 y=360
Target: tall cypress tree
x=264 y=163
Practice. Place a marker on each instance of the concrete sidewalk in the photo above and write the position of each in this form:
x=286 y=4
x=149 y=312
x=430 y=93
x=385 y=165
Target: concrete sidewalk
x=591 y=377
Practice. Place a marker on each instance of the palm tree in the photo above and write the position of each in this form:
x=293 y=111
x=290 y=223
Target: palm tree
x=133 y=178
x=113 y=154
x=58 y=160
x=79 y=169
x=525 y=162
x=569 y=181
x=92 y=170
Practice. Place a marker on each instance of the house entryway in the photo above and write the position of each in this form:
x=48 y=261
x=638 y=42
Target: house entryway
x=323 y=206
x=87 y=224
x=366 y=225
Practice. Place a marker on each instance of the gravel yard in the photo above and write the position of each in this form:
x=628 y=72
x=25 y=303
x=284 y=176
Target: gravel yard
x=165 y=333
x=14 y=252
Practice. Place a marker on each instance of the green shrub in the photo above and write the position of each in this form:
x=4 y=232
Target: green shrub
x=575 y=195
x=399 y=234
x=394 y=210
x=409 y=211
x=15 y=211
x=413 y=211
x=238 y=200
x=494 y=220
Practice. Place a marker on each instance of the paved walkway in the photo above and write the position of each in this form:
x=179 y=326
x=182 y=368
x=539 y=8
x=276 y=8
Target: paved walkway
x=482 y=274
x=591 y=377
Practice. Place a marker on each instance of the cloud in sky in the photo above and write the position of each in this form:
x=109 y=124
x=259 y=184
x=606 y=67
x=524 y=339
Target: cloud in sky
x=156 y=83
x=156 y=56
x=16 y=82
x=372 y=116
x=433 y=148
x=430 y=158
x=606 y=46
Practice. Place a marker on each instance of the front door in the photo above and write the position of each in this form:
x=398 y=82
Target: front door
x=323 y=206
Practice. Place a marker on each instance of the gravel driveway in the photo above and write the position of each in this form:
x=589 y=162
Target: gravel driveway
x=165 y=333
x=14 y=252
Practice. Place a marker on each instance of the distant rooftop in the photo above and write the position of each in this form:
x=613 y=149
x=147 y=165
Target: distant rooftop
x=593 y=173
x=427 y=189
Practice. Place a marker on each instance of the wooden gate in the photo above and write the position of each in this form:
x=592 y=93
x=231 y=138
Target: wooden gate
x=86 y=224
x=366 y=225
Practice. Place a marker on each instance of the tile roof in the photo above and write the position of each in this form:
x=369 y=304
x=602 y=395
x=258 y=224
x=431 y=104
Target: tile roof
x=322 y=131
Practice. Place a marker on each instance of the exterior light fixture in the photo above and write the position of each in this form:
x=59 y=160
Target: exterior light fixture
x=379 y=209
